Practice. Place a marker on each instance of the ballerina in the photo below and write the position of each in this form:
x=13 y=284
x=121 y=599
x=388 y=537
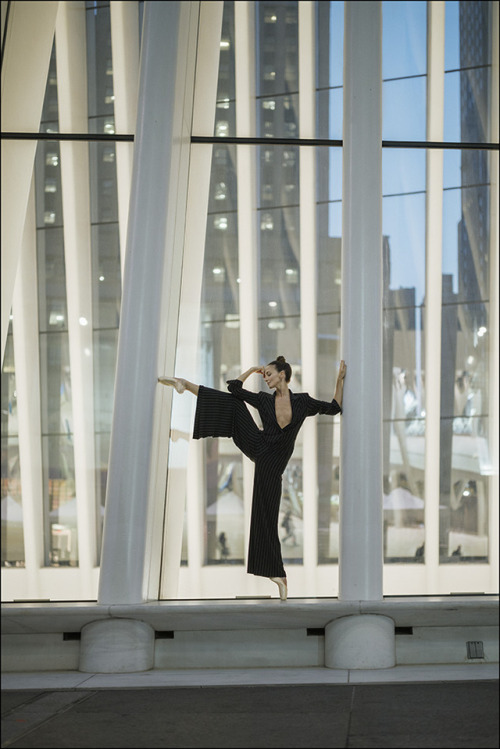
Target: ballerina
x=282 y=413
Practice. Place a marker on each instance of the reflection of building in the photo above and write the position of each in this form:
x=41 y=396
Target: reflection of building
x=277 y=207
x=465 y=317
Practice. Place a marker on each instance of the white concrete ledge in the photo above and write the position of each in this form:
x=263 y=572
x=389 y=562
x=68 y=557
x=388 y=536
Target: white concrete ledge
x=418 y=611
x=236 y=677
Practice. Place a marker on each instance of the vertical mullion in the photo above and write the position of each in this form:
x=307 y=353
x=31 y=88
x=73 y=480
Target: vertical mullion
x=248 y=243
x=26 y=354
x=308 y=283
x=494 y=311
x=72 y=97
x=433 y=291
x=124 y=18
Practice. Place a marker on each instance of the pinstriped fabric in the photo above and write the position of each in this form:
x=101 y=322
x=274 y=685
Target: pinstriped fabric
x=270 y=448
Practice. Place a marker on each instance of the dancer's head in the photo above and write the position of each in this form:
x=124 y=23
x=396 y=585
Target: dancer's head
x=276 y=371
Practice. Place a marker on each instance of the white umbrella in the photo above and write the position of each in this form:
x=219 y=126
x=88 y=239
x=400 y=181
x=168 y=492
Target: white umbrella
x=401 y=499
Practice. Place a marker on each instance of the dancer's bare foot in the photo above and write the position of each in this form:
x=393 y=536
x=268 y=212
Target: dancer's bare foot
x=282 y=586
x=175 y=382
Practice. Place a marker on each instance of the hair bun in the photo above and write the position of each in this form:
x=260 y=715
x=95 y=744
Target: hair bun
x=281 y=359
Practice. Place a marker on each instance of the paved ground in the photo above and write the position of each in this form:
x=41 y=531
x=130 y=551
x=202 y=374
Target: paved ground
x=425 y=714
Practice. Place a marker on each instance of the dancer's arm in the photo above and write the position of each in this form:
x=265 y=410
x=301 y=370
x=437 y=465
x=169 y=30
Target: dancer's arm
x=335 y=406
x=250 y=371
x=235 y=387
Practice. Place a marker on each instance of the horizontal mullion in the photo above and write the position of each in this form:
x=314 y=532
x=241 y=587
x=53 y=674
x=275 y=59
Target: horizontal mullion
x=254 y=141
x=67 y=136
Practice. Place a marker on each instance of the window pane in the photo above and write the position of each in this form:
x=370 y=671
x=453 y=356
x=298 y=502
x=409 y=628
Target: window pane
x=61 y=538
x=225 y=112
x=467 y=97
x=12 y=505
x=49 y=121
x=55 y=383
x=99 y=64
x=404 y=249
x=404 y=69
x=106 y=276
x=330 y=68
x=403 y=354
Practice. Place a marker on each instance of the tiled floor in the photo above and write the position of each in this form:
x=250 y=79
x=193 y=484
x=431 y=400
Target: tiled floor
x=271 y=708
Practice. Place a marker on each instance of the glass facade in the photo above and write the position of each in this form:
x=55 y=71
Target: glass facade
x=453 y=506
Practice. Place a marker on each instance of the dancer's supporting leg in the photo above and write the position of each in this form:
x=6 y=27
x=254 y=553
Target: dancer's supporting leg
x=179 y=384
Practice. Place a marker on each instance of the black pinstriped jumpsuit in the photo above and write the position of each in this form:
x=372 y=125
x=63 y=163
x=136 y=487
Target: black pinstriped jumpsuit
x=225 y=415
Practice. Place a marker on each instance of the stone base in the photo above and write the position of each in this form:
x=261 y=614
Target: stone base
x=116 y=646
x=364 y=641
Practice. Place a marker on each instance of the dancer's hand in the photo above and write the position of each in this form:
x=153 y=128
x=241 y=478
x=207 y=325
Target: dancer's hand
x=339 y=390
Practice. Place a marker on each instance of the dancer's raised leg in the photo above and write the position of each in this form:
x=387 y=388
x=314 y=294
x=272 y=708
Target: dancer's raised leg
x=179 y=384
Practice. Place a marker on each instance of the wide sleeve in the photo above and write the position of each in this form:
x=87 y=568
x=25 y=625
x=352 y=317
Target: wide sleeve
x=236 y=388
x=322 y=407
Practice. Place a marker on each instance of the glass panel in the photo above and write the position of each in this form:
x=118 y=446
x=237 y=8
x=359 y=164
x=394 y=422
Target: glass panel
x=61 y=547
x=49 y=121
x=220 y=295
x=404 y=250
x=404 y=109
x=278 y=45
x=466 y=214
x=55 y=383
x=103 y=188
x=465 y=464
x=105 y=351
x=468 y=49
x=12 y=506
x=403 y=352
x=99 y=65
x=277 y=69
x=328 y=429
x=404 y=69
x=225 y=113
x=224 y=508
x=404 y=435
x=48 y=185
x=465 y=461
x=106 y=276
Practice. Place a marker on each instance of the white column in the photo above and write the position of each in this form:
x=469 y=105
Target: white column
x=25 y=65
x=248 y=238
x=494 y=311
x=182 y=459
x=361 y=515
x=72 y=98
x=308 y=284
x=26 y=355
x=433 y=291
x=134 y=507
x=362 y=641
x=125 y=50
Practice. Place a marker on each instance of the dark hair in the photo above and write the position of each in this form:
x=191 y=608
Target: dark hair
x=282 y=365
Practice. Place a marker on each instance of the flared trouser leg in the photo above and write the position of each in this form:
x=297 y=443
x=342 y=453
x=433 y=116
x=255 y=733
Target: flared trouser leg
x=222 y=415
x=264 y=548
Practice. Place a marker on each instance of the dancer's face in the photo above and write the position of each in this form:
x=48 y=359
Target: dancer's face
x=272 y=377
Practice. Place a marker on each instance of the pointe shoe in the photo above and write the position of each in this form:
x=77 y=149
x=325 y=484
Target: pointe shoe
x=281 y=583
x=174 y=382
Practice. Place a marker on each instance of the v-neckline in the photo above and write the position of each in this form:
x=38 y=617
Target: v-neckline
x=291 y=410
